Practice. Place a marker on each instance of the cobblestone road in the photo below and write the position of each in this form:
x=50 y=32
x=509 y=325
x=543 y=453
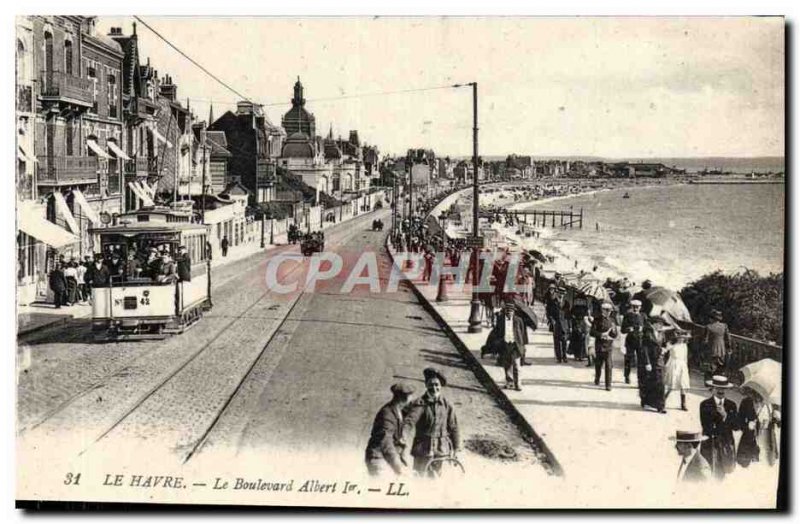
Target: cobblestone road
x=250 y=383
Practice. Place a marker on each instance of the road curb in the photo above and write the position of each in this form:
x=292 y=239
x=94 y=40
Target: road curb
x=486 y=380
x=42 y=327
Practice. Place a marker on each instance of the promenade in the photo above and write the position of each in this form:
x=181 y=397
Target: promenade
x=610 y=450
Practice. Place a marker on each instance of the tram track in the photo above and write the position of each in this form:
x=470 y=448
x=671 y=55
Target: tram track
x=195 y=356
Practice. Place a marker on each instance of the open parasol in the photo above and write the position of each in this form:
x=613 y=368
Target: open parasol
x=764 y=377
x=594 y=288
x=666 y=300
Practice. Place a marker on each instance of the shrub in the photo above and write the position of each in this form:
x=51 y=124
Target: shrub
x=751 y=305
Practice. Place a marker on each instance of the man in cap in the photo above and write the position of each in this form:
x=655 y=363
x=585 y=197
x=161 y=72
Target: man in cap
x=719 y=418
x=694 y=467
x=384 y=449
x=604 y=331
x=433 y=422
x=184 y=265
x=632 y=328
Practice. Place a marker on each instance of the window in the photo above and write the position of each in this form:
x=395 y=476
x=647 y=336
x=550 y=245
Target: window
x=68 y=57
x=91 y=72
x=68 y=132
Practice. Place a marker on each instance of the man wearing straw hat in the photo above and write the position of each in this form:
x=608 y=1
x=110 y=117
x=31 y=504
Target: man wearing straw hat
x=694 y=467
x=719 y=418
x=604 y=330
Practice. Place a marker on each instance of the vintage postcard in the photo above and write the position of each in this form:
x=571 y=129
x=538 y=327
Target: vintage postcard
x=400 y=262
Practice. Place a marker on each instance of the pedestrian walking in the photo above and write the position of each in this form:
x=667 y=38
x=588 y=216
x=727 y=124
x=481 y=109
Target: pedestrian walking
x=512 y=328
x=83 y=294
x=604 y=330
x=71 y=277
x=677 y=367
x=633 y=329
x=719 y=418
x=433 y=422
x=585 y=325
x=759 y=421
x=718 y=342
x=384 y=449
x=694 y=467
x=224 y=245
x=651 y=364
x=641 y=296
x=561 y=329
x=58 y=285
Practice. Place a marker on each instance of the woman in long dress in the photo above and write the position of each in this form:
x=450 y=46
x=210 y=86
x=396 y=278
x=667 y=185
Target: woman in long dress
x=759 y=421
x=652 y=364
x=71 y=276
x=677 y=368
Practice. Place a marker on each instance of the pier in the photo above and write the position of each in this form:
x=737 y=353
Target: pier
x=542 y=217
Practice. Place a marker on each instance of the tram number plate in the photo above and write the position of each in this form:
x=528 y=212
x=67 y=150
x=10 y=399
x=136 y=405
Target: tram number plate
x=129 y=303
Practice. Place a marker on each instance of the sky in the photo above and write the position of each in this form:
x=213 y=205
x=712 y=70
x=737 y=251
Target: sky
x=608 y=87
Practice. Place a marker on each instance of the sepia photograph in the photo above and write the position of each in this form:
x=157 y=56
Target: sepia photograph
x=400 y=262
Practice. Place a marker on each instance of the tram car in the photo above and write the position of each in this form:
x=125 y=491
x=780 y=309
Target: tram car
x=144 y=297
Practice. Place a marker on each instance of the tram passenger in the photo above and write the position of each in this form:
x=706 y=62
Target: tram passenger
x=116 y=268
x=166 y=274
x=153 y=264
x=97 y=275
x=184 y=265
x=132 y=266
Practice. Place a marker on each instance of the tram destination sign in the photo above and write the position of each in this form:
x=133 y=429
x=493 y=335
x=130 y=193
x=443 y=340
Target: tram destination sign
x=476 y=241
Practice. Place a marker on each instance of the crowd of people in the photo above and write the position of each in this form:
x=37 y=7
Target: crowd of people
x=72 y=281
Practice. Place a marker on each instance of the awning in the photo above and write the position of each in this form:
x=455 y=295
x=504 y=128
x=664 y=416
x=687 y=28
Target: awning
x=97 y=149
x=90 y=213
x=161 y=137
x=32 y=223
x=137 y=189
x=147 y=188
x=117 y=151
x=63 y=210
x=28 y=156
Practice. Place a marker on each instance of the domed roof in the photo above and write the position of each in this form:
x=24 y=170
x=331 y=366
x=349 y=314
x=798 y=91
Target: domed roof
x=298 y=145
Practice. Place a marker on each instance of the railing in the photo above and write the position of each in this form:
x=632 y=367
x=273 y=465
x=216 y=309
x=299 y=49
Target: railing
x=61 y=85
x=67 y=170
x=136 y=166
x=24 y=99
x=743 y=350
x=289 y=196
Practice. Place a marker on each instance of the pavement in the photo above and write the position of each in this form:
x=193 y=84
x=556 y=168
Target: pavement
x=611 y=452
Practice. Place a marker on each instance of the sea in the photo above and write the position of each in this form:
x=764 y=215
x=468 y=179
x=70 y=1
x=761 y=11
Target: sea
x=671 y=235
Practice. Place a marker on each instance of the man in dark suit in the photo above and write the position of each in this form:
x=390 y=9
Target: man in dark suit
x=384 y=448
x=694 y=467
x=559 y=316
x=633 y=328
x=511 y=330
x=58 y=284
x=97 y=275
x=719 y=418
x=604 y=330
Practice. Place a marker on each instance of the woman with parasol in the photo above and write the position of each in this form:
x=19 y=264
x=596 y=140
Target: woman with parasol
x=759 y=413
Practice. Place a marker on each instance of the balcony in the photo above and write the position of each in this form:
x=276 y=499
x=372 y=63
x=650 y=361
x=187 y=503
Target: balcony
x=67 y=170
x=24 y=99
x=65 y=88
x=137 y=167
x=143 y=108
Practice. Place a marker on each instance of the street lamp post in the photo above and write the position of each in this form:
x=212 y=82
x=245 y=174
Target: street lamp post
x=475 y=304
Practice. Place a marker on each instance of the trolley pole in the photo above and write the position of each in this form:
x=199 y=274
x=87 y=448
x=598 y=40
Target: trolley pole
x=203 y=197
x=475 y=305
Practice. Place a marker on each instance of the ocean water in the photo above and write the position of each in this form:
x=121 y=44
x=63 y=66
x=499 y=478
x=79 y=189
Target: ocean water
x=672 y=234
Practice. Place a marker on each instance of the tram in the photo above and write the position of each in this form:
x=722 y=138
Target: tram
x=141 y=302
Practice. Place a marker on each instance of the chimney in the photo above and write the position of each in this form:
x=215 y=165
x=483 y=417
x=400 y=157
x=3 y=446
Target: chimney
x=167 y=89
x=244 y=108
